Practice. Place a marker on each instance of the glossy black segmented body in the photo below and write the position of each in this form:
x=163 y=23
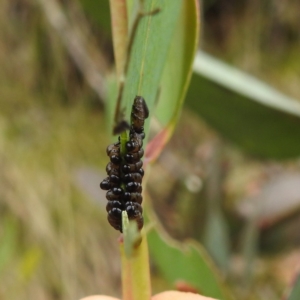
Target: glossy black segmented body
x=125 y=173
x=134 y=157
x=135 y=143
x=139 y=113
x=136 y=177
x=131 y=168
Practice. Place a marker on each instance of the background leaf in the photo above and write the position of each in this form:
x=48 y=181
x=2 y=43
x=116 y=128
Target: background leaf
x=100 y=17
x=295 y=293
x=187 y=262
x=245 y=110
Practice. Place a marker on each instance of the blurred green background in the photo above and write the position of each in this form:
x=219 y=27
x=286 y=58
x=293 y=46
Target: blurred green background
x=55 y=242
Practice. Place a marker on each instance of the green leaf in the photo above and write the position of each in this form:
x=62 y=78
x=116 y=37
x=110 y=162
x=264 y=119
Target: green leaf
x=216 y=238
x=245 y=110
x=173 y=63
x=149 y=52
x=98 y=14
x=176 y=76
x=249 y=243
x=295 y=293
x=178 y=68
x=161 y=58
x=185 y=262
x=216 y=234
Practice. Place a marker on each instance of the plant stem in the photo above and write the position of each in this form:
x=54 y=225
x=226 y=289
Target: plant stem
x=136 y=283
x=123 y=140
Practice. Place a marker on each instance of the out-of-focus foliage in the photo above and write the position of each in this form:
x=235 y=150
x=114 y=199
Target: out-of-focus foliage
x=50 y=123
x=193 y=266
x=248 y=112
x=294 y=295
x=98 y=14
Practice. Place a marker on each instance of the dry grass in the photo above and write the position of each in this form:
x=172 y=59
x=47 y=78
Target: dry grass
x=54 y=242
x=62 y=247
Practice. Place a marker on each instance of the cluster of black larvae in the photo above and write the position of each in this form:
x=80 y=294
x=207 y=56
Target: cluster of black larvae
x=125 y=173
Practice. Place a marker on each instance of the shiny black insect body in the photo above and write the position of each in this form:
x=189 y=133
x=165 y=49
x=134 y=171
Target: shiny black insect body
x=125 y=173
x=139 y=113
x=131 y=168
x=112 y=169
x=111 y=195
x=133 y=177
x=133 y=197
x=134 y=157
x=135 y=143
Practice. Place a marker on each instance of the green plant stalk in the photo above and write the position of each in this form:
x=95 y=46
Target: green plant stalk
x=119 y=26
x=123 y=140
x=136 y=284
